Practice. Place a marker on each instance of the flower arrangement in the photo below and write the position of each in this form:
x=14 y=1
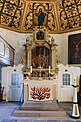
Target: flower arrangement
x=26 y=73
x=52 y=74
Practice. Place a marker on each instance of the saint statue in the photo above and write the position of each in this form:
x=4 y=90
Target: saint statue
x=41 y=16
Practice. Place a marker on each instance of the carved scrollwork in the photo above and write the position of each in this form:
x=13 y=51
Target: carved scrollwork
x=11 y=12
x=69 y=13
x=47 y=12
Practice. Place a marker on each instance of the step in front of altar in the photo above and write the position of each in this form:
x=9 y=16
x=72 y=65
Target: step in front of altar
x=40 y=106
x=57 y=114
x=40 y=109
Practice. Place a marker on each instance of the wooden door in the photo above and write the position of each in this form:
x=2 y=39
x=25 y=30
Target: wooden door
x=65 y=88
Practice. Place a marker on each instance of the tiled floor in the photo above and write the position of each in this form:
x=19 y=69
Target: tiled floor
x=7 y=109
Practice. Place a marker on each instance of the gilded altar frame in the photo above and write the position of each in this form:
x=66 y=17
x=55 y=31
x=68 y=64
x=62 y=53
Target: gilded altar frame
x=47 y=42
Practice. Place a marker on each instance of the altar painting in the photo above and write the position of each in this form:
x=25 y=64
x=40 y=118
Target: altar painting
x=40 y=57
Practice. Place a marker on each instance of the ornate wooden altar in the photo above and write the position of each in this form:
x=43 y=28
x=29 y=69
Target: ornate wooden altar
x=40 y=52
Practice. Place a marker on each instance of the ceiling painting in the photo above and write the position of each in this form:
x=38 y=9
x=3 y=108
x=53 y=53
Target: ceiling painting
x=40 y=14
x=58 y=16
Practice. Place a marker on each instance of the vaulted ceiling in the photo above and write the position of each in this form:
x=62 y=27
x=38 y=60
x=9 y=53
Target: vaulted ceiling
x=60 y=15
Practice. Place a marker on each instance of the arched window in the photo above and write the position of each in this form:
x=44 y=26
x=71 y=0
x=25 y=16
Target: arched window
x=66 y=79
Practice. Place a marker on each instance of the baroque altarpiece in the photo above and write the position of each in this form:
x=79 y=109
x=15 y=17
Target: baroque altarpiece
x=41 y=53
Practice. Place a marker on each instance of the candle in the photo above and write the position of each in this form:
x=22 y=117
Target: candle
x=74 y=81
x=31 y=69
x=49 y=69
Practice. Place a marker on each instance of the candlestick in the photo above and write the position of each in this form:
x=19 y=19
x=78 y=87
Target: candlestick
x=31 y=69
x=49 y=69
x=75 y=81
x=75 y=108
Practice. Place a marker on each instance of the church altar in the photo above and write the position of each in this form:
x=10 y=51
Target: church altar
x=40 y=90
x=40 y=59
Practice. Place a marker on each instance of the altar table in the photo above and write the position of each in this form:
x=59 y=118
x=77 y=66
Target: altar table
x=40 y=90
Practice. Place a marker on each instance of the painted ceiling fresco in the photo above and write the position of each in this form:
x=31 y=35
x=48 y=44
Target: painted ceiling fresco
x=57 y=16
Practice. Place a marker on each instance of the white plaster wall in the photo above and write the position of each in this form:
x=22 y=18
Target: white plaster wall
x=18 y=39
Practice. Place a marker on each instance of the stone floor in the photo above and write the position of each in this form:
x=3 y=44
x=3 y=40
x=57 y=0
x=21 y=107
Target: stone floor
x=7 y=109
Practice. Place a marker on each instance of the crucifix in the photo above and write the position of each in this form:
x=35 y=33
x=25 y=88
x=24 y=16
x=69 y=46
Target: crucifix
x=76 y=48
x=40 y=70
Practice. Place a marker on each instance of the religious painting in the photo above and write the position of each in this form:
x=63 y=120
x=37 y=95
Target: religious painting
x=40 y=35
x=40 y=57
x=74 y=49
x=40 y=16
